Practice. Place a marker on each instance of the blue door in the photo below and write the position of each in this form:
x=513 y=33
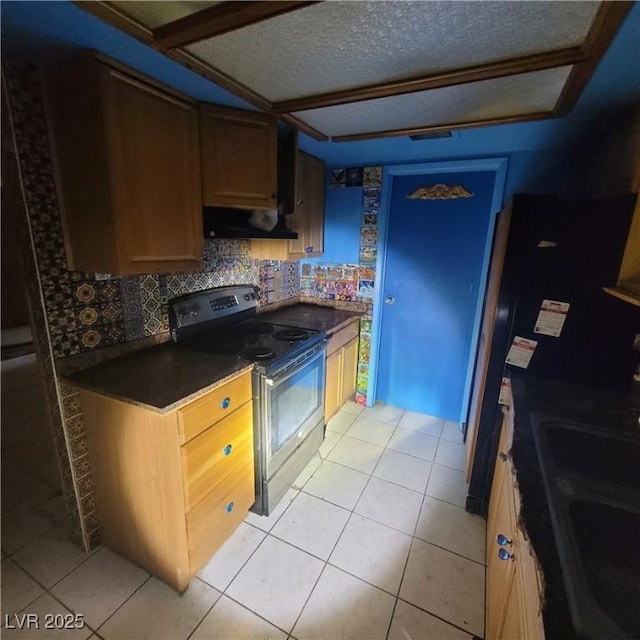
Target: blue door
x=434 y=261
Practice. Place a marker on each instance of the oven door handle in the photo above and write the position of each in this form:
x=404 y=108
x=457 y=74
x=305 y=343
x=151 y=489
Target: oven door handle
x=317 y=352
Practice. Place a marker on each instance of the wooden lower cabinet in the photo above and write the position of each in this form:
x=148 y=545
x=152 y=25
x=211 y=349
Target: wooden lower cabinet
x=170 y=488
x=342 y=364
x=513 y=601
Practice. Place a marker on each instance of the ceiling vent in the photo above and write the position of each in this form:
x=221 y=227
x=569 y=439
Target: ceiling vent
x=433 y=135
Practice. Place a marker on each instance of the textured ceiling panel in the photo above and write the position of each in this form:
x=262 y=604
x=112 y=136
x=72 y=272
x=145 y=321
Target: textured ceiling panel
x=510 y=96
x=335 y=45
x=153 y=13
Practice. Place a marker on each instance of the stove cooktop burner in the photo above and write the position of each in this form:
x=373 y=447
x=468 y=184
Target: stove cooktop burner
x=291 y=334
x=260 y=327
x=258 y=353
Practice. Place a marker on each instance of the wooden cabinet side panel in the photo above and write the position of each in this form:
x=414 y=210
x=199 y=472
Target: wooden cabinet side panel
x=154 y=161
x=630 y=269
x=349 y=370
x=137 y=473
x=333 y=384
x=239 y=158
x=75 y=119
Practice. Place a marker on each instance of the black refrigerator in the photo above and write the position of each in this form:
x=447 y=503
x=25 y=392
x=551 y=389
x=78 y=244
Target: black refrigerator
x=559 y=251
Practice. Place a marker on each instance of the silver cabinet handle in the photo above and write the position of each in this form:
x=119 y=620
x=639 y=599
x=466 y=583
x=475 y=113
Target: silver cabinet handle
x=389 y=299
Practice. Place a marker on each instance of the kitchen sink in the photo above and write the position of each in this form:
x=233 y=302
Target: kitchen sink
x=594 y=455
x=592 y=486
x=608 y=544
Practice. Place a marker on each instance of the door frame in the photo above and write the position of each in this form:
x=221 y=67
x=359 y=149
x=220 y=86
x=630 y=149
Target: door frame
x=499 y=166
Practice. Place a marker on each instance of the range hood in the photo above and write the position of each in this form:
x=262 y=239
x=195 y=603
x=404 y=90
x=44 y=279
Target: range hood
x=225 y=222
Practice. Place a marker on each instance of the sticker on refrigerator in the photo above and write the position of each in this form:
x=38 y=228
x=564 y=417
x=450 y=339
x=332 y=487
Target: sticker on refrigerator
x=505 y=392
x=521 y=352
x=551 y=318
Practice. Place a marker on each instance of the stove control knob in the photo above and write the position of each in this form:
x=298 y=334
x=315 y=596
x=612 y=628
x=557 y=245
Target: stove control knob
x=182 y=313
x=247 y=297
x=194 y=311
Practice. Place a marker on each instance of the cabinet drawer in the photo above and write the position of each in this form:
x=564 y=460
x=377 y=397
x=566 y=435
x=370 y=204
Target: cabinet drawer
x=343 y=336
x=213 y=519
x=216 y=454
x=202 y=413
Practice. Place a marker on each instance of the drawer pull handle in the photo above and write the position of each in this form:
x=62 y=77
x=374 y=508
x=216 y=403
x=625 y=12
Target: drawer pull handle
x=503 y=554
x=229 y=507
x=502 y=540
x=225 y=403
x=227 y=450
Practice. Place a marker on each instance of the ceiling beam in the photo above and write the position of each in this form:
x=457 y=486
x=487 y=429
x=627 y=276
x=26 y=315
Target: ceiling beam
x=605 y=25
x=527 y=117
x=222 y=18
x=487 y=71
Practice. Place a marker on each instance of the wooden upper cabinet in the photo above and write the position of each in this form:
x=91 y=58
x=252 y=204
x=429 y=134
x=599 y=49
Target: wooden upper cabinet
x=239 y=151
x=308 y=216
x=127 y=159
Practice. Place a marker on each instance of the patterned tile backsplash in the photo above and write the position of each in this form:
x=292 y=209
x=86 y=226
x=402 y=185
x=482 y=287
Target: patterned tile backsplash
x=85 y=312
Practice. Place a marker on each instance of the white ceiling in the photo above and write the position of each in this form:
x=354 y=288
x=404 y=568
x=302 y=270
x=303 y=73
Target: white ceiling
x=342 y=45
x=334 y=45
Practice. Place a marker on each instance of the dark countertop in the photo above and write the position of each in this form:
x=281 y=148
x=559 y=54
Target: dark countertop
x=160 y=378
x=312 y=316
x=164 y=377
x=608 y=409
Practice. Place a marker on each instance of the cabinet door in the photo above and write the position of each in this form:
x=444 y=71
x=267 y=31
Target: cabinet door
x=333 y=382
x=154 y=161
x=238 y=158
x=308 y=218
x=349 y=370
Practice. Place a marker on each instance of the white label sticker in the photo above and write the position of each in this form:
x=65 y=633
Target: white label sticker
x=521 y=351
x=505 y=392
x=551 y=317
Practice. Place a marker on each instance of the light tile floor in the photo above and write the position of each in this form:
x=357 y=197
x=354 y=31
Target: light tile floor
x=371 y=542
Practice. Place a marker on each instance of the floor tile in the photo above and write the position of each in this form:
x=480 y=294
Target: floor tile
x=446 y=585
x=410 y=622
x=44 y=606
x=451 y=454
x=266 y=523
x=276 y=582
x=451 y=527
x=370 y=430
x=390 y=504
x=359 y=455
x=230 y=558
x=414 y=443
x=229 y=620
x=312 y=525
x=429 y=425
x=312 y=466
x=399 y=468
x=343 y=607
x=448 y=485
x=352 y=407
x=18 y=588
x=384 y=413
x=157 y=612
x=99 y=586
x=341 y=421
x=331 y=438
x=451 y=431
x=20 y=527
x=337 y=484
x=51 y=557
x=373 y=552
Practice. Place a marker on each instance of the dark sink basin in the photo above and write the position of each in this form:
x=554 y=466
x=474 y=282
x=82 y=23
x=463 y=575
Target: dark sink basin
x=594 y=455
x=608 y=545
x=592 y=483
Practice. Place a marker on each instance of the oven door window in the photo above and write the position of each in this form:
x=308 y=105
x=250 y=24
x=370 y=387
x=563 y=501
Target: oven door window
x=295 y=405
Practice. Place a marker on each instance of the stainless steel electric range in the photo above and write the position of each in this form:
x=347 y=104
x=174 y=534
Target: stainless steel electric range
x=287 y=379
